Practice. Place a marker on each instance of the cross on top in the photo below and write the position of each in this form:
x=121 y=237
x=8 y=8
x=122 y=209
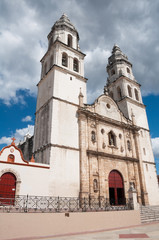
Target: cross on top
x=13 y=139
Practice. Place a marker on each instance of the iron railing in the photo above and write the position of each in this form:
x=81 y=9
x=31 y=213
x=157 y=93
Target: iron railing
x=25 y=203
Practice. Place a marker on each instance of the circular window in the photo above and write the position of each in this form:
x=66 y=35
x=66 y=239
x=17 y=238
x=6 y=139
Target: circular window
x=108 y=105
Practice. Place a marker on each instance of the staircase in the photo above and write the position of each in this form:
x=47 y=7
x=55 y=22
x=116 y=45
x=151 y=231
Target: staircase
x=149 y=213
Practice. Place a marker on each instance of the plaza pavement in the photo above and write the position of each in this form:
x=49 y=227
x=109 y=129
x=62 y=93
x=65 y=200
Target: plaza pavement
x=145 y=231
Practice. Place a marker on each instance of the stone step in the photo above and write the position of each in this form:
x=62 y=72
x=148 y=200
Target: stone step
x=149 y=213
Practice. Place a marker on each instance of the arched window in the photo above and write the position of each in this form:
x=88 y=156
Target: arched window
x=119 y=93
x=95 y=185
x=112 y=72
x=129 y=91
x=75 y=65
x=111 y=94
x=64 y=59
x=51 y=61
x=136 y=94
x=116 y=188
x=11 y=158
x=69 y=40
x=128 y=70
x=128 y=145
x=7 y=188
x=111 y=139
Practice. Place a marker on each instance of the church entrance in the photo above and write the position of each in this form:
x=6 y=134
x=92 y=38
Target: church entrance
x=7 y=189
x=116 y=188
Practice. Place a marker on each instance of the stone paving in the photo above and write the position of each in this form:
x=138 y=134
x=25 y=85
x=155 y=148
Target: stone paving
x=144 y=231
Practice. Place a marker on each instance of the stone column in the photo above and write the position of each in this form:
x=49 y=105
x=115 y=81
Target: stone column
x=84 y=165
x=144 y=194
x=101 y=177
x=137 y=181
x=129 y=171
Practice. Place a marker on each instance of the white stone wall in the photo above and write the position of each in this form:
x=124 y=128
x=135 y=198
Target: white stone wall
x=67 y=89
x=64 y=125
x=45 y=90
x=64 y=177
x=146 y=146
x=139 y=113
x=151 y=183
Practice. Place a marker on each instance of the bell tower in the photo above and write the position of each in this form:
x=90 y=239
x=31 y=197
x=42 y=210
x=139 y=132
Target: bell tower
x=56 y=137
x=124 y=88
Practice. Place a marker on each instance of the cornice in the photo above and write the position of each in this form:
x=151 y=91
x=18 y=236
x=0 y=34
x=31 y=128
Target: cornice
x=96 y=116
x=63 y=70
x=66 y=46
x=118 y=61
x=113 y=156
x=126 y=78
x=58 y=99
x=57 y=146
x=132 y=101
x=149 y=162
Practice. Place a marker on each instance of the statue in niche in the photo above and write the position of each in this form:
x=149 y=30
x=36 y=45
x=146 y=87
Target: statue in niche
x=93 y=136
x=95 y=185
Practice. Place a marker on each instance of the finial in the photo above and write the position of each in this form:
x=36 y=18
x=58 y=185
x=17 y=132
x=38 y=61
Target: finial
x=105 y=90
x=133 y=117
x=80 y=98
x=32 y=159
x=116 y=48
x=80 y=95
x=13 y=139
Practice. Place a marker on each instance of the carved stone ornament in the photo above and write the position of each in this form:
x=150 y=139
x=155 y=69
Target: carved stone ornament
x=122 y=149
x=93 y=125
x=95 y=173
x=128 y=135
x=12 y=150
x=104 y=145
x=132 y=189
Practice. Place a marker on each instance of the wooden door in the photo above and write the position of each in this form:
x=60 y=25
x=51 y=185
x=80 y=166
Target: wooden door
x=116 y=188
x=7 y=188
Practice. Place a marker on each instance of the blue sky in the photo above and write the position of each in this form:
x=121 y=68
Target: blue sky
x=24 y=26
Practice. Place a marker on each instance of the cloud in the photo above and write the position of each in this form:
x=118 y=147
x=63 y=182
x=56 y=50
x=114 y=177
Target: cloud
x=97 y=82
x=23 y=39
x=155 y=146
x=19 y=135
x=5 y=140
x=27 y=119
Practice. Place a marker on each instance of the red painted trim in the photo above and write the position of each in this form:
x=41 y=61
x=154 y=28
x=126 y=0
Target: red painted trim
x=134 y=235
x=12 y=145
x=28 y=165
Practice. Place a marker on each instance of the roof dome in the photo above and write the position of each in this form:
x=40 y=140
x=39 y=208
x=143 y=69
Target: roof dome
x=116 y=51
x=64 y=21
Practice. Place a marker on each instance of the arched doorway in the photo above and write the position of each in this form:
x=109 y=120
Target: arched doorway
x=7 y=188
x=116 y=188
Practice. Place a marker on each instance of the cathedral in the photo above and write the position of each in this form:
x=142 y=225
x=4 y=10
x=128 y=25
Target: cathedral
x=78 y=149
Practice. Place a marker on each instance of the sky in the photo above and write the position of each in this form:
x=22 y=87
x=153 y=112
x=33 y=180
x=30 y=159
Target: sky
x=24 y=26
